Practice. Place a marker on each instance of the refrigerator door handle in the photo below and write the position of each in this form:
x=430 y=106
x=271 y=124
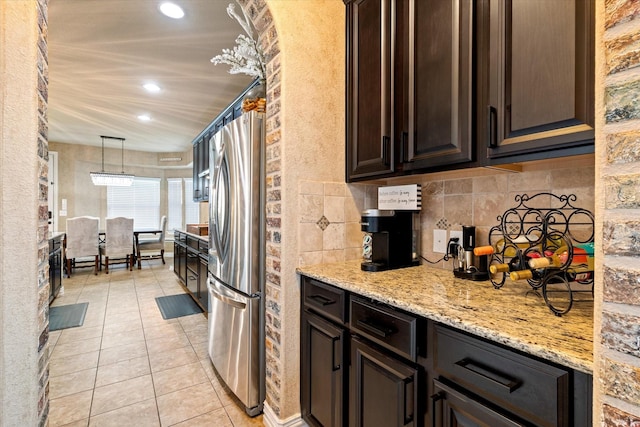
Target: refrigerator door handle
x=219 y=226
x=225 y=298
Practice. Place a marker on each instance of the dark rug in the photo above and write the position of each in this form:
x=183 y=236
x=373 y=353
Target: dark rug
x=173 y=306
x=67 y=316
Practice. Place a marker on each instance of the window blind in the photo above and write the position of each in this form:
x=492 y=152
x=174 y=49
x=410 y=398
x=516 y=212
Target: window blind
x=140 y=201
x=191 y=208
x=174 y=202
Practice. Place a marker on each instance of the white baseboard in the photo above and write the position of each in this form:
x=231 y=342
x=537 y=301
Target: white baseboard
x=270 y=419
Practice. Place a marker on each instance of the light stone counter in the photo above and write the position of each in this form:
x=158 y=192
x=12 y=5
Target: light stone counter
x=513 y=315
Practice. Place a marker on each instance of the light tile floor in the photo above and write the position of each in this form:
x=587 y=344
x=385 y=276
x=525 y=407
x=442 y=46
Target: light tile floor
x=126 y=365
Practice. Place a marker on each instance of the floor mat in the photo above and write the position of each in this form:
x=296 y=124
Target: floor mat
x=173 y=306
x=67 y=316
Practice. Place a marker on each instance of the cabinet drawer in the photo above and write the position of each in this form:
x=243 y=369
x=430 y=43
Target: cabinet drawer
x=203 y=247
x=391 y=329
x=325 y=299
x=533 y=390
x=193 y=242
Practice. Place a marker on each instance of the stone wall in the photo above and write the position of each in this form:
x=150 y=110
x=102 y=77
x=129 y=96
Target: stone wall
x=262 y=19
x=617 y=367
x=24 y=284
x=43 y=215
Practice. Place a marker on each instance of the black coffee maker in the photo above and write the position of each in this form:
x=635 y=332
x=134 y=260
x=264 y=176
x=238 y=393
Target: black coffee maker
x=389 y=240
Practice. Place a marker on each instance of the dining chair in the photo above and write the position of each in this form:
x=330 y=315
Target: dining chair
x=118 y=242
x=81 y=242
x=153 y=244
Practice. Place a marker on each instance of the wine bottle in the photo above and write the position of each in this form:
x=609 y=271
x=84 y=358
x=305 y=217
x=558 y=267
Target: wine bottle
x=498 y=268
x=517 y=263
x=483 y=250
x=521 y=275
x=557 y=259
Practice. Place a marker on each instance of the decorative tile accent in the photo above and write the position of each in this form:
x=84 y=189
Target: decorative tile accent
x=442 y=224
x=323 y=223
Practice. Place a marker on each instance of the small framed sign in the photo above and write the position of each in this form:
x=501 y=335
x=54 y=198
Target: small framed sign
x=400 y=197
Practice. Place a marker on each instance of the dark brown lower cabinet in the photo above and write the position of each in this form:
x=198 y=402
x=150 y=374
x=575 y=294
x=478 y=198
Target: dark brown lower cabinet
x=179 y=260
x=203 y=293
x=384 y=389
x=367 y=364
x=193 y=264
x=452 y=408
x=323 y=371
x=190 y=260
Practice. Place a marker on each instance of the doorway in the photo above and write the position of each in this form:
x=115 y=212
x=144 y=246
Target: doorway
x=52 y=196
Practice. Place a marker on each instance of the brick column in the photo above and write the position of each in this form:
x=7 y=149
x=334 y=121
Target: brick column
x=617 y=334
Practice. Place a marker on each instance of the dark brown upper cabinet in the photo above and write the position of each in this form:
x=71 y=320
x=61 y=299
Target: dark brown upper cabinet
x=370 y=71
x=409 y=85
x=436 y=126
x=536 y=79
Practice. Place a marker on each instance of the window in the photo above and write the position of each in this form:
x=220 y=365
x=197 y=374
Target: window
x=141 y=202
x=180 y=204
x=174 y=208
x=191 y=208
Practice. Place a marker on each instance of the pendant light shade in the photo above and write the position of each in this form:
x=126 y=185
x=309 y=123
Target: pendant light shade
x=112 y=178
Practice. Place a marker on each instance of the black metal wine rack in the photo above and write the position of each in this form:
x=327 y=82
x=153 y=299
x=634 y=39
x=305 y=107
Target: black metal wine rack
x=545 y=224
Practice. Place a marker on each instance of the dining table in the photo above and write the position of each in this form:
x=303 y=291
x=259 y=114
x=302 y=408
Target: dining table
x=136 y=234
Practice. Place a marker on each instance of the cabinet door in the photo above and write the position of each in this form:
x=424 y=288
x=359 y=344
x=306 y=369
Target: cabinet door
x=323 y=372
x=540 y=78
x=203 y=294
x=459 y=410
x=384 y=390
x=370 y=73
x=182 y=260
x=437 y=123
x=193 y=263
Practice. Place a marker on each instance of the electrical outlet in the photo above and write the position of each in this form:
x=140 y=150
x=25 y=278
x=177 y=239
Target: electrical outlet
x=440 y=241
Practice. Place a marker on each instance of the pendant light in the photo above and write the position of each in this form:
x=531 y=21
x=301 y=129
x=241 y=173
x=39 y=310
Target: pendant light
x=112 y=178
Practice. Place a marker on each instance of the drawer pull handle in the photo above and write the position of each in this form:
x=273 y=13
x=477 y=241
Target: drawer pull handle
x=336 y=354
x=434 y=405
x=408 y=400
x=377 y=329
x=492 y=127
x=320 y=300
x=501 y=380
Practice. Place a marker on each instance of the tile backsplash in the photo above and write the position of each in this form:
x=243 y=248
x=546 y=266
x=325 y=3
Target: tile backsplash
x=329 y=223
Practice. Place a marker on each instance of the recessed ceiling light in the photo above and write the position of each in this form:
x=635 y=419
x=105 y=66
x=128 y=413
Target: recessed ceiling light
x=151 y=87
x=171 y=10
x=144 y=118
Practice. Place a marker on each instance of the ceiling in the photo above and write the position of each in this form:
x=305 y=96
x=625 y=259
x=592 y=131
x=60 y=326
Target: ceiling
x=101 y=52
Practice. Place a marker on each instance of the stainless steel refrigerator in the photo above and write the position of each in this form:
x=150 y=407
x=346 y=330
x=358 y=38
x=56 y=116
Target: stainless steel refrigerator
x=236 y=258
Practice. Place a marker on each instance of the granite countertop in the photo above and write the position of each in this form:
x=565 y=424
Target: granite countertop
x=512 y=315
